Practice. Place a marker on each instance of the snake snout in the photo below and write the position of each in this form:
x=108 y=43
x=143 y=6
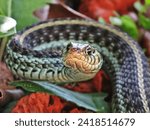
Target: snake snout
x=82 y=57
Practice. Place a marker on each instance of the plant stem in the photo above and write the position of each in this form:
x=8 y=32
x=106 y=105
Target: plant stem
x=2 y=47
x=9 y=8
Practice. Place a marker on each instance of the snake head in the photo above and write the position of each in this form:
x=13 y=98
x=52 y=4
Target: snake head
x=82 y=57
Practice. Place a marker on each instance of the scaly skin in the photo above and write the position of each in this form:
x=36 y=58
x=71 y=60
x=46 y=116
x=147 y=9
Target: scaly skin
x=38 y=53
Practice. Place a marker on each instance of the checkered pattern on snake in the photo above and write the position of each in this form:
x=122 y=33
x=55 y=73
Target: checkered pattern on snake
x=40 y=46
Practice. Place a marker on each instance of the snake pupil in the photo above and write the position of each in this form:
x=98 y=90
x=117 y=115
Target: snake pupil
x=90 y=51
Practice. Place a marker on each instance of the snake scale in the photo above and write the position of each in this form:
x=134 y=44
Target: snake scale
x=40 y=52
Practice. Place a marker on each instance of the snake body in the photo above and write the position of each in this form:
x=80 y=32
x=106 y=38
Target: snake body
x=36 y=53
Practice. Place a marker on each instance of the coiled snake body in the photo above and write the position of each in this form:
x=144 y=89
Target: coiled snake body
x=72 y=50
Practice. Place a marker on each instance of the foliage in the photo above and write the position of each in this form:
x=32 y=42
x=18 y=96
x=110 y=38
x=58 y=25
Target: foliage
x=104 y=8
x=93 y=101
x=21 y=10
x=144 y=21
x=7 y=26
x=139 y=7
x=126 y=24
x=45 y=103
x=147 y=2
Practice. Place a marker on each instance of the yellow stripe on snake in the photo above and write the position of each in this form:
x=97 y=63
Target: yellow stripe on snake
x=73 y=50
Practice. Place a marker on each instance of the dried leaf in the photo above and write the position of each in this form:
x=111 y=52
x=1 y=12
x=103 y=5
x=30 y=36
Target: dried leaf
x=60 y=9
x=5 y=76
x=7 y=96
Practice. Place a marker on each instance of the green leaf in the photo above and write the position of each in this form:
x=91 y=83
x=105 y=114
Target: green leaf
x=21 y=10
x=7 y=26
x=101 y=20
x=139 y=7
x=126 y=24
x=129 y=26
x=147 y=2
x=5 y=7
x=94 y=101
x=9 y=33
x=116 y=21
x=144 y=21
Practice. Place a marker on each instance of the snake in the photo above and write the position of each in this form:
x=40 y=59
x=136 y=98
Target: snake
x=63 y=50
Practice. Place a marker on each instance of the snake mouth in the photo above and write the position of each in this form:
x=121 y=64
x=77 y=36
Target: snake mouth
x=82 y=57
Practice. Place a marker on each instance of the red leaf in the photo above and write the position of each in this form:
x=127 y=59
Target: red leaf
x=39 y=102
x=107 y=4
x=45 y=103
x=104 y=9
x=77 y=110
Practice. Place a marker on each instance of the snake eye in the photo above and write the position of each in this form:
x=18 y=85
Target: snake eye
x=90 y=51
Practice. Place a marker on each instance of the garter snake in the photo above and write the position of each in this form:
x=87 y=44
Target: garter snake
x=72 y=50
